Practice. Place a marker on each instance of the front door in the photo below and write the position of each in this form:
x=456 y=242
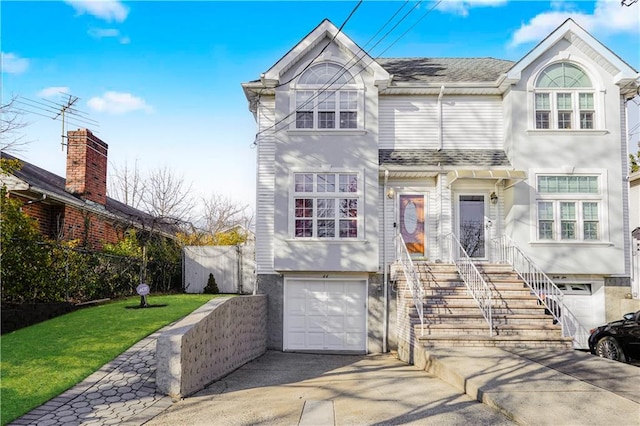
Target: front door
x=471 y=232
x=412 y=222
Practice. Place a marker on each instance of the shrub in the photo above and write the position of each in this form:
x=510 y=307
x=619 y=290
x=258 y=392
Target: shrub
x=212 y=287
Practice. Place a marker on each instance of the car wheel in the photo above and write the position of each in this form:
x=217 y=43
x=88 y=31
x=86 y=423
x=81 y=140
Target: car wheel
x=609 y=348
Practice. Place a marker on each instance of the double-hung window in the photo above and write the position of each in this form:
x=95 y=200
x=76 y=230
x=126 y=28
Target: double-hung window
x=326 y=98
x=568 y=208
x=326 y=205
x=564 y=98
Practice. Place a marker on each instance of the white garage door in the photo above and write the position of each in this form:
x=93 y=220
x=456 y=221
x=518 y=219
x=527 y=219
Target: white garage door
x=325 y=315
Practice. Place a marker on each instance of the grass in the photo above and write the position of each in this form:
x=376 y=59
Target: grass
x=41 y=361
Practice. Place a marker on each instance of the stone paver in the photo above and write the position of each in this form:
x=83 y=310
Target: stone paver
x=111 y=395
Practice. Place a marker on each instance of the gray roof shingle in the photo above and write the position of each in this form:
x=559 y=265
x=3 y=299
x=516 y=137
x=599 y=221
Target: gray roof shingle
x=445 y=157
x=445 y=70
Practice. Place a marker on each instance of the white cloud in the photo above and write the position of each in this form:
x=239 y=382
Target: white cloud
x=107 y=10
x=461 y=7
x=118 y=103
x=608 y=17
x=100 y=33
x=11 y=63
x=50 y=92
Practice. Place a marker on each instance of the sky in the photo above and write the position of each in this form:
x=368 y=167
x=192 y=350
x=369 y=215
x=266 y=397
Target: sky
x=161 y=80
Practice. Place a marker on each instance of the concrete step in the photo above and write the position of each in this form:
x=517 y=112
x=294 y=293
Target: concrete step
x=445 y=318
x=550 y=342
x=472 y=328
x=496 y=310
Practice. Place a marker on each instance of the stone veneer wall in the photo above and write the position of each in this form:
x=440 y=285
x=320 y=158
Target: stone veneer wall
x=214 y=340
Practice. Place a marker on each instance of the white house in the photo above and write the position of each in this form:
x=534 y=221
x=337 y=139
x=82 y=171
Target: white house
x=358 y=158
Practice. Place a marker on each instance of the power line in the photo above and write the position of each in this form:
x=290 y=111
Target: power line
x=324 y=48
x=324 y=88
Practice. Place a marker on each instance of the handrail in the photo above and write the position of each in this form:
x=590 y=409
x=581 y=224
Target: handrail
x=543 y=287
x=477 y=286
x=412 y=277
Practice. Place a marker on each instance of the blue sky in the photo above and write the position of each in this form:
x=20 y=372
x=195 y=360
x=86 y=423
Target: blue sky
x=162 y=79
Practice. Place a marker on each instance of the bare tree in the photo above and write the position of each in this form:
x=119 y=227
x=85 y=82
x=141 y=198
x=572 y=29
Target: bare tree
x=220 y=214
x=11 y=122
x=127 y=185
x=167 y=195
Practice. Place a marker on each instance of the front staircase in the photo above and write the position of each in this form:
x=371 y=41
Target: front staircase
x=452 y=317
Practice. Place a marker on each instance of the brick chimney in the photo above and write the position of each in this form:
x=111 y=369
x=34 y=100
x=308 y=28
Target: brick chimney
x=86 y=166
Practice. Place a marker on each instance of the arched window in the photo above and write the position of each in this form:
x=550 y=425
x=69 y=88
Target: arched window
x=564 y=98
x=325 y=74
x=326 y=98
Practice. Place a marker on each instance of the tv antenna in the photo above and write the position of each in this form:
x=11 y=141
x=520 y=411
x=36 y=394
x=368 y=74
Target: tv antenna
x=65 y=110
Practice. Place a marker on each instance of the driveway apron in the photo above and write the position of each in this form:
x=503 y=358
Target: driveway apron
x=311 y=389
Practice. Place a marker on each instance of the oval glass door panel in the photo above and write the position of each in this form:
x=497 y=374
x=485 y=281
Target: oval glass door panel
x=412 y=222
x=410 y=217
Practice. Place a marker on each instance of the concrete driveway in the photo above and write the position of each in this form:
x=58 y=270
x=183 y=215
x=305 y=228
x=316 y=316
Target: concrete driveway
x=308 y=389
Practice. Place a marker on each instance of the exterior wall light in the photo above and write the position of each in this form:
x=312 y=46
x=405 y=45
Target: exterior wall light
x=390 y=193
x=494 y=198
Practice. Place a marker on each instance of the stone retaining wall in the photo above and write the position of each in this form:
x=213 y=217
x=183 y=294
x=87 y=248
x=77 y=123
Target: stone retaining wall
x=214 y=340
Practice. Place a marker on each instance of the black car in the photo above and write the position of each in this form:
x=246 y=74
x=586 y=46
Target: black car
x=618 y=340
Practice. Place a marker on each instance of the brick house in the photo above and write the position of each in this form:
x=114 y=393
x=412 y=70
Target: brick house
x=76 y=208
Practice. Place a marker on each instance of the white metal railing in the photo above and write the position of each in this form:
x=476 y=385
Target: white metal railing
x=412 y=277
x=477 y=286
x=543 y=287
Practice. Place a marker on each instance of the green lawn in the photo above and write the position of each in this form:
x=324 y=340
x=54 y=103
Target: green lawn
x=42 y=361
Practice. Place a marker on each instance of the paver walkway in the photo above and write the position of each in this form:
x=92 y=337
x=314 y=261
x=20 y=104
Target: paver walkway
x=123 y=391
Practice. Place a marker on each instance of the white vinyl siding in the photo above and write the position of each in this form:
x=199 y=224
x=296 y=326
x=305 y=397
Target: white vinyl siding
x=411 y=122
x=470 y=123
x=265 y=189
x=408 y=122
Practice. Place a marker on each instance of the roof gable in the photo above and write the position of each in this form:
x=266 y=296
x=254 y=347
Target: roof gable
x=576 y=35
x=326 y=29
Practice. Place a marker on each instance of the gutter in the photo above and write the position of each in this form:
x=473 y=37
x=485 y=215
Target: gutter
x=385 y=279
x=440 y=137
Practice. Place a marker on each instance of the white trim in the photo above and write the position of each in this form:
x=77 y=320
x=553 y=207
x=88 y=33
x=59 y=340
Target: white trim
x=359 y=195
x=486 y=213
x=602 y=198
x=326 y=132
x=325 y=30
x=564 y=132
x=569 y=26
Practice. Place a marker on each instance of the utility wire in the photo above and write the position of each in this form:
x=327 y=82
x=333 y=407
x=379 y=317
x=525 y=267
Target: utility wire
x=358 y=59
x=326 y=86
x=324 y=48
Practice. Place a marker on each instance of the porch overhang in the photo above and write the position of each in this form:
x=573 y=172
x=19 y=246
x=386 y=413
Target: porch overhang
x=509 y=177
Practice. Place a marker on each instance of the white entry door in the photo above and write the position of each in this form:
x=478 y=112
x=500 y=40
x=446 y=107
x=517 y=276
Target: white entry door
x=325 y=315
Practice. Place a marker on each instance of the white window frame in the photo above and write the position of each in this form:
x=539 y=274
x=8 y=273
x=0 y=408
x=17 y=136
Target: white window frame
x=316 y=193
x=353 y=91
x=600 y=198
x=575 y=111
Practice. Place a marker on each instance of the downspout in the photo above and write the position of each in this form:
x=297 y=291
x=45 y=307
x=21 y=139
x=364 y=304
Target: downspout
x=440 y=137
x=385 y=319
